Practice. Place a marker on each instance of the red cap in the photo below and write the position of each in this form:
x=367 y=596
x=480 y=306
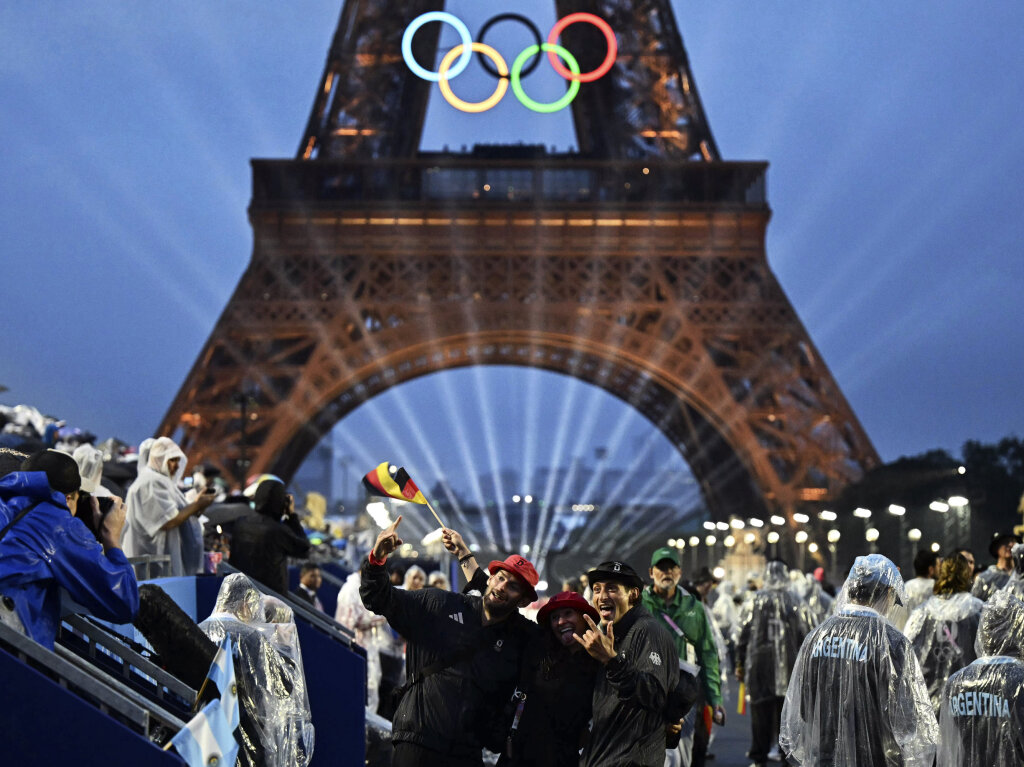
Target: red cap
x=521 y=568
x=567 y=599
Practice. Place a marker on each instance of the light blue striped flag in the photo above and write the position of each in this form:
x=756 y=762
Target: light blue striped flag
x=222 y=674
x=207 y=740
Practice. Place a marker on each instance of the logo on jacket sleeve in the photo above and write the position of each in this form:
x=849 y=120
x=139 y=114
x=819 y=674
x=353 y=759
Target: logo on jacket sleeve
x=457 y=617
x=655 y=658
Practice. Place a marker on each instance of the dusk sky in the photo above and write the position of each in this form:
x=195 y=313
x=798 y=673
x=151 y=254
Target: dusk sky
x=895 y=148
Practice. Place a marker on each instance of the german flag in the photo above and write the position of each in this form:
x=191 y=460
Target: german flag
x=392 y=482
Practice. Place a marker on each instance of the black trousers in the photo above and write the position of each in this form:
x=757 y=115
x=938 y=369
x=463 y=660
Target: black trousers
x=411 y=755
x=764 y=727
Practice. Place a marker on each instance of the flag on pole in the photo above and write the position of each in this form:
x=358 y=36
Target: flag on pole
x=741 y=703
x=207 y=740
x=222 y=674
x=392 y=482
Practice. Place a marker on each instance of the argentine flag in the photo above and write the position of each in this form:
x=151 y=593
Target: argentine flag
x=208 y=740
x=222 y=674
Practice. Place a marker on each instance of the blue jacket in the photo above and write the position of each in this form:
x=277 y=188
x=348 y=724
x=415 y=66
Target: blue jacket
x=47 y=549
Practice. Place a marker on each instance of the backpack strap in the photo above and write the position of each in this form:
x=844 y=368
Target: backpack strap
x=21 y=514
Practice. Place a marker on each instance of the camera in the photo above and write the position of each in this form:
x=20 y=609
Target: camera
x=106 y=503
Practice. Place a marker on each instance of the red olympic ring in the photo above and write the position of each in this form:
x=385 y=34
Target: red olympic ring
x=609 y=36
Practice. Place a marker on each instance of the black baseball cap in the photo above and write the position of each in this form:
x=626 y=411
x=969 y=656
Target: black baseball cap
x=615 y=571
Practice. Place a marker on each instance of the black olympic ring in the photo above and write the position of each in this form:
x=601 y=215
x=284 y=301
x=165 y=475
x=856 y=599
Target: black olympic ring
x=488 y=67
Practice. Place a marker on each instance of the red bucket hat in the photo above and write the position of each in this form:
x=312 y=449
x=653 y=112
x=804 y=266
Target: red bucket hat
x=519 y=567
x=567 y=599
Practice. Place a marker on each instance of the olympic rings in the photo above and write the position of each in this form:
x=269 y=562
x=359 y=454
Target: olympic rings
x=450 y=68
x=517 y=85
x=426 y=18
x=609 y=36
x=490 y=101
x=509 y=17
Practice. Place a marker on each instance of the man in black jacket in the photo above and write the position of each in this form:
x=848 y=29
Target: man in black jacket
x=261 y=544
x=640 y=668
x=462 y=657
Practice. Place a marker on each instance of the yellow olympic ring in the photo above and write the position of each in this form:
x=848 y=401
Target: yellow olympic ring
x=479 y=106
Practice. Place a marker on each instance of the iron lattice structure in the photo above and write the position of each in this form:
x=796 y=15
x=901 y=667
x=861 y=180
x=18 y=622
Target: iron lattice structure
x=638 y=265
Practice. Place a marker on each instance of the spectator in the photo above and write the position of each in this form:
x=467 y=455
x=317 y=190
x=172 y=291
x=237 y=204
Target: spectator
x=463 y=656
x=415 y=578
x=857 y=695
x=160 y=521
x=943 y=629
x=271 y=681
x=995 y=577
x=44 y=548
x=769 y=642
x=261 y=544
x=639 y=670
x=374 y=635
x=920 y=588
x=310 y=580
x=439 y=580
x=683 y=615
x=982 y=711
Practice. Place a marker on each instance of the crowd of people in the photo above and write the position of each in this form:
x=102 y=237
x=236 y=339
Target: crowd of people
x=616 y=669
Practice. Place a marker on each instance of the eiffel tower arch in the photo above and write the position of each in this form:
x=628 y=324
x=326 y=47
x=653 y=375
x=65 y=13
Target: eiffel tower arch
x=637 y=264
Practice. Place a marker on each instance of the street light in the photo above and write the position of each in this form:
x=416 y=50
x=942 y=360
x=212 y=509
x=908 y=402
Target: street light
x=896 y=510
x=737 y=524
x=828 y=516
x=749 y=538
x=711 y=540
x=729 y=541
x=755 y=522
x=862 y=513
x=694 y=540
x=722 y=525
x=709 y=525
x=777 y=520
x=801 y=536
x=671 y=543
x=802 y=519
x=773 y=537
x=833 y=536
x=936 y=547
x=812 y=547
x=914 y=534
x=939 y=506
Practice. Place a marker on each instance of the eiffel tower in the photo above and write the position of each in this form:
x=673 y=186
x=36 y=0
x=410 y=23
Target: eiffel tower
x=636 y=263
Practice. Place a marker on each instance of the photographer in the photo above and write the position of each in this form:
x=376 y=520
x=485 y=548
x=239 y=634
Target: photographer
x=261 y=544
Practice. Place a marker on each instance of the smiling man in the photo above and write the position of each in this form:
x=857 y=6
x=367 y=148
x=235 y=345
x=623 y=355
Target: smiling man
x=640 y=668
x=684 y=616
x=462 y=657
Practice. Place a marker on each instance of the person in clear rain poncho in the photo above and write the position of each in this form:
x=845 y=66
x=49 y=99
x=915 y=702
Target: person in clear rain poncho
x=277 y=729
x=857 y=697
x=768 y=644
x=982 y=712
x=990 y=580
x=943 y=629
x=159 y=519
x=1015 y=583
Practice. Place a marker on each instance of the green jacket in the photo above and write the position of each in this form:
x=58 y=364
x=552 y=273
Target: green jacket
x=687 y=612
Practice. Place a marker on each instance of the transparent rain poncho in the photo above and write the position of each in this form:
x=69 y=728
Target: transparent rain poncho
x=1015 y=584
x=371 y=632
x=942 y=631
x=857 y=696
x=771 y=635
x=268 y=665
x=810 y=592
x=982 y=712
x=154 y=499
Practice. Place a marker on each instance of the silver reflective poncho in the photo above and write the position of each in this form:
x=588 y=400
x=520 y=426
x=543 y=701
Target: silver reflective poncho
x=268 y=664
x=982 y=710
x=857 y=697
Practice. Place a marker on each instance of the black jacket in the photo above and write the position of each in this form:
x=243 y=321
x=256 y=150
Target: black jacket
x=457 y=710
x=630 y=695
x=260 y=548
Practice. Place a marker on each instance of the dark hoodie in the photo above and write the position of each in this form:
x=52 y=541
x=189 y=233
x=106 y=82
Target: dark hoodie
x=261 y=545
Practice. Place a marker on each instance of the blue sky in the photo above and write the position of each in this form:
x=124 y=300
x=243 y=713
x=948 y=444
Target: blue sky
x=892 y=130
